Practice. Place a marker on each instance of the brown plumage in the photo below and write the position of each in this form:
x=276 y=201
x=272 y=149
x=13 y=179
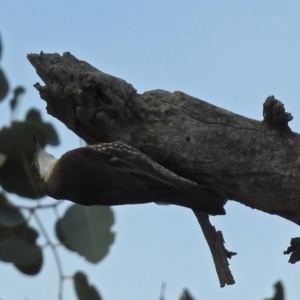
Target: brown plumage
x=117 y=174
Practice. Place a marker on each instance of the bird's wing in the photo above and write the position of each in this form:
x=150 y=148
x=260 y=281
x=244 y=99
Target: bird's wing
x=119 y=174
x=127 y=159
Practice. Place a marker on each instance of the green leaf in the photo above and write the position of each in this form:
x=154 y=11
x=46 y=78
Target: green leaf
x=279 y=292
x=19 y=251
x=186 y=295
x=26 y=256
x=2 y=159
x=47 y=129
x=61 y=236
x=16 y=239
x=10 y=215
x=83 y=289
x=87 y=231
x=22 y=231
x=17 y=144
x=4 y=85
x=0 y=47
x=14 y=101
x=34 y=267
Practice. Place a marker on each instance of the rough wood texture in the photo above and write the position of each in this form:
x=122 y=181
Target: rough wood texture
x=252 y=162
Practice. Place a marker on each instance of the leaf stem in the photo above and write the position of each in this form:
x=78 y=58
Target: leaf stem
x=55 y=254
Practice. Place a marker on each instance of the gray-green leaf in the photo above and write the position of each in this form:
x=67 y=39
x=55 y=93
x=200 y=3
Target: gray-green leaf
x=14 y=101
x=83 y=289
x=186 y=295
x=10 y=215
x=19 y=251
x=2 y=159
x=16 y=142
x=87 y=231
x=279 y=292
x=4 y=85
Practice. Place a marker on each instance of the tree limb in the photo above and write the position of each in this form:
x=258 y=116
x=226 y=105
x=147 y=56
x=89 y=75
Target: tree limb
x=216 y=242
x=255 y=163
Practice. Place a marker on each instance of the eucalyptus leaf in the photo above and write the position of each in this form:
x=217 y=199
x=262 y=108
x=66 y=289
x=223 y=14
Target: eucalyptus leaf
x=2 y=159
x=19 y=251
x=34 y=267
x=21 y=231
x=18 y=241
x=186 y=295
x=60 y=235
x=279 y=292
x=4 y=85
x=83 y=289
x=16 y=142
x=0 y=48
x=14 y=101
x=87 y=231
x=10 y=215
x=34 y=116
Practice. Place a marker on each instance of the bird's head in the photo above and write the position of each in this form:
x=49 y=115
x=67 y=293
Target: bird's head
x=42 y=164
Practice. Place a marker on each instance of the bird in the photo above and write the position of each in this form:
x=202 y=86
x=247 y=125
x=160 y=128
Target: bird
x=117 y=174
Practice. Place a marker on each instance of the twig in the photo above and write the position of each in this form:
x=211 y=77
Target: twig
x=40 y=206
x=55 y=253
x=219 y=253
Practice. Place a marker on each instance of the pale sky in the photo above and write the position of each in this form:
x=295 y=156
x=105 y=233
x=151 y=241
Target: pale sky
x=232 y=54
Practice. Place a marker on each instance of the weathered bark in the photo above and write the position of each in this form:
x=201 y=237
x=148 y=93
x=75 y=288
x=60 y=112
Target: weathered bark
x=255 y=163
x=218 y=251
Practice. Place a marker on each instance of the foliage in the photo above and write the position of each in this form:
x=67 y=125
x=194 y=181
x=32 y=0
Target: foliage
x=186 y=295
x=83 y=290
x=279 y=292
x=84 y=230
x=87 y=231
x=4 y=85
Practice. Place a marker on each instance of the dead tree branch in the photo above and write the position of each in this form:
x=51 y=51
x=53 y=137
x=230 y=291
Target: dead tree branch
x=219 y=253
x=255 y=163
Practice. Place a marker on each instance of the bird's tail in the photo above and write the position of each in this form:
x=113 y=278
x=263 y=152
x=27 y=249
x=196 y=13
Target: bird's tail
x=200 y=198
